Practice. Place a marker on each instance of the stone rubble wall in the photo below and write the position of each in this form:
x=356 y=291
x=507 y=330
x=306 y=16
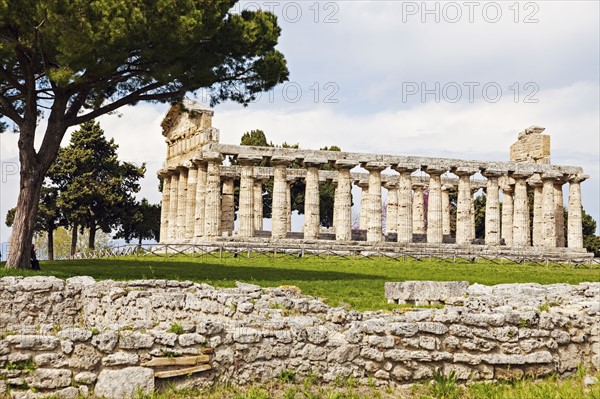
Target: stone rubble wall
x=82 y=337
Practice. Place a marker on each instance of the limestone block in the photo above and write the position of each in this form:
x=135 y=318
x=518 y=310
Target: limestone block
x=85 y=377
x=208 y=327
x=135 y=340
x=105 y=341
x=74 y=334
x=51 y=378
x=33 y=342
x=121 y=359
x=124 y=383
x=246 y=335
x=53 y=360
x=424 y=292
x=84 y=357
x=403 y=329
x=191 y=339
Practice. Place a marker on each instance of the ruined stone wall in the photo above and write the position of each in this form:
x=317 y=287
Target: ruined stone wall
x=81 y=336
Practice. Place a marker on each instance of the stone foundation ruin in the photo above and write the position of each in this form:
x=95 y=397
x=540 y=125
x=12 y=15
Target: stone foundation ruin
x=111 y=339
x=198 y=195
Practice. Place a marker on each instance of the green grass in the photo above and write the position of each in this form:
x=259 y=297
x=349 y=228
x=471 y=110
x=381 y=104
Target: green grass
x=356 y=282
x=550 y=388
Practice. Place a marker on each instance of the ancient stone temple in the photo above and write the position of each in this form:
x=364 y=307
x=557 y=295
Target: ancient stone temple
x=202 y=179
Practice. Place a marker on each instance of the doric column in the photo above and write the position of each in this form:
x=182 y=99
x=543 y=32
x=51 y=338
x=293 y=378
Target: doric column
x=559 y=213
x=312 y=213
x=492 y=208
x=200 y=199
x=334 y=184
x=507 y=211
x=405 y=203
x=191 y=202
x=227 y=206
x=181 y=203
x=165 y=205
x=258 y=204
x=549 y=209
x=537 y=237
x=575 y=225
x=174 y=205
x=364 y=204
x=464 y=221
x=391 y=214
x=374 y=210
x=279 y=207
x=473 y=191
x=246 y=199
x=418 y=210
x=288 y=205
x=446 y=208
x=521 y=236
x=212 y=209
x=343 y=201
x=434 y=205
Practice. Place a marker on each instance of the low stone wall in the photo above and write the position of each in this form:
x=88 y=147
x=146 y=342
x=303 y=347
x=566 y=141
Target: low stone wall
x=82 y=337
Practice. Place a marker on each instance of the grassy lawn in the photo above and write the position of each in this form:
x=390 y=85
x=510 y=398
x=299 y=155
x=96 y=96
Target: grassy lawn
x=356 y=282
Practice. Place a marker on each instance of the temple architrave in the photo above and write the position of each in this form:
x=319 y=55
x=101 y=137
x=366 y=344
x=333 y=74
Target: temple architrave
x=199 y=194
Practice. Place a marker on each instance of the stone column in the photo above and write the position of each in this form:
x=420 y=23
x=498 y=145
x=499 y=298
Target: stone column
x=258 y=204
x=212 y=209
x=446 y=208
x=343 y=201
x=434 y=206
x=575 y=226
x=559 y=213
x=418 y=210
x=536 y=182
x=464 y=221
x=548 y=210
x=507 y=212
x=191 y=202
x=174 y=206
x=246 y=199
x=312 y=213
x=492 y=208
x=405 y=203
x=199 y=213
x=391 y=215
x=374 y=229
x=288 y=206
x=279 y=207
x=521 y=236
x=473 y=191
x=181 y=203
x=364 y=204
x=227 y=207
x=165 y=206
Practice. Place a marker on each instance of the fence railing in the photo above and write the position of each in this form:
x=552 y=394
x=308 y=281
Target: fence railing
x=222 y=250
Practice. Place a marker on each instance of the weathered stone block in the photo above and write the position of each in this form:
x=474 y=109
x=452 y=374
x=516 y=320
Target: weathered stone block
x=124 y=383
x=135 y=340
x=121 y=359
x=33 y=342
x=105 y=341
x=424 y=292
x=51 y=378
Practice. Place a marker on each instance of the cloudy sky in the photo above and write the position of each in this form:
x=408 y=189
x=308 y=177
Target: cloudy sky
x=448 y=79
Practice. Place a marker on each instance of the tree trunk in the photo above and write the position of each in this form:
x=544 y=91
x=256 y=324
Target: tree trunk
x=140 y=241
x=92 y=237
x=74 y=241
x=33 y=170
x=50 y=244
x=23 y=227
